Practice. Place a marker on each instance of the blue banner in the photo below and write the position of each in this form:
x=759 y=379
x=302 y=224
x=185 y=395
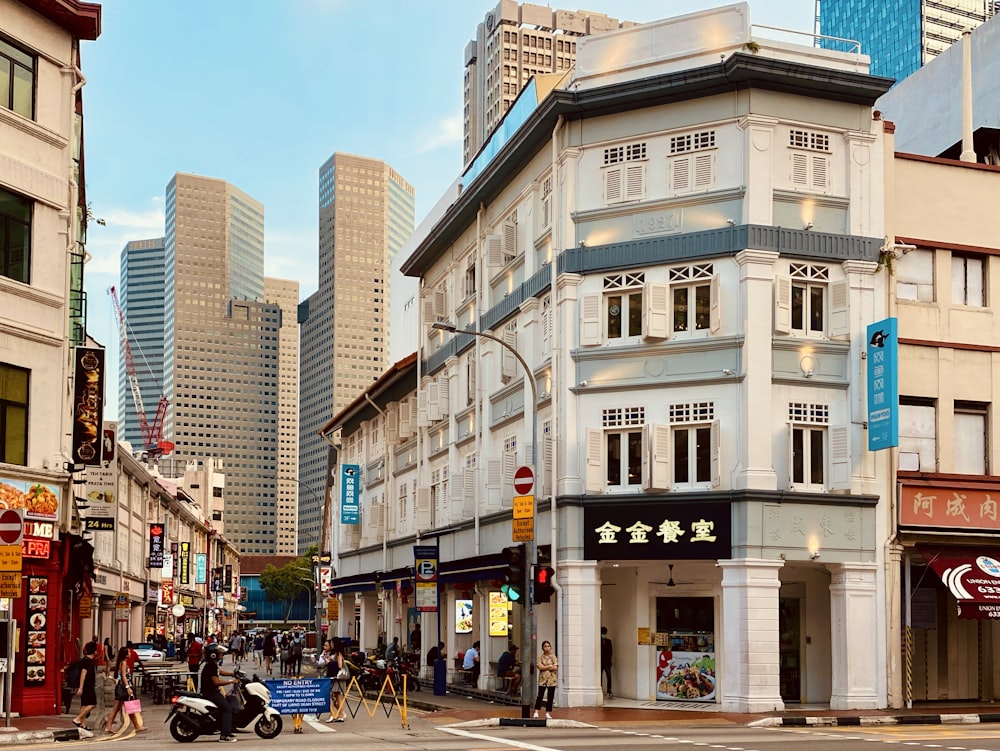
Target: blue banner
x=350 y=503
x=882 y=351
x=200 y=568
x=300 y=696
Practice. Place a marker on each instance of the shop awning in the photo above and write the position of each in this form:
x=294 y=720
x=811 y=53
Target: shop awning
x=972 y=575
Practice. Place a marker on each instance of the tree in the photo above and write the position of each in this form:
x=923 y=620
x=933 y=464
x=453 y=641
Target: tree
x=284 y=584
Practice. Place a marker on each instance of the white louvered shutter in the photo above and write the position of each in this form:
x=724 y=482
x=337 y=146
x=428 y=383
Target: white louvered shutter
x=783 y=305
x=456 y=504
x=471 y=499
x=509 y=240
x=840 y=322
x=471 y=392
x=494 y=250
x=704 y=171
x=444 y=395
x=656 y=321
x=508 y=363
x=392 y=423
x=680 y=174
x=840 y=458
x=716 y=454
x=424 y=513
x=819 y=178
x=595 y=461
x=433 y=401
x=441 y=303
x=494 y=484
x=430 y=316
x=635 y=182
x=656 y=476
x=507 y=487
x=590 y=320
x=406 y=426
x=613 y=192
x=715 y=292
x=546 y=473
x=800 y=170
x=423 y=420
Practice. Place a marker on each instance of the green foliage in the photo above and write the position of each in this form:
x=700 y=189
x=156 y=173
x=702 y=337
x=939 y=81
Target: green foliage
x=283 y=584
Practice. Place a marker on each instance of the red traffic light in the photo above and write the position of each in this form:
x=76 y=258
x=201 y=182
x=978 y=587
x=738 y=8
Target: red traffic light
x=545 y=575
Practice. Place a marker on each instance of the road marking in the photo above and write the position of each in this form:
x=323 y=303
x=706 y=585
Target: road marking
x=491 y=739
x=319 y=727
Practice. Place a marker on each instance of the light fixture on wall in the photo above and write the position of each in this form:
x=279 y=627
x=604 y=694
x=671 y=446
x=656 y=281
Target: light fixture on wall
x=583 y=243
x=807 y=364
x=731 y=222
x=814 y=555
x=809 y=225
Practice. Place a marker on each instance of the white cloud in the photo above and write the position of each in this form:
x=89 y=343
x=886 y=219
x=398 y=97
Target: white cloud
x=105 y=243
x=446 y=132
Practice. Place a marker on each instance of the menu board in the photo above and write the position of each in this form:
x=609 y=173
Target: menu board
x=685 y=676
x=35 y=640
x=498 y=614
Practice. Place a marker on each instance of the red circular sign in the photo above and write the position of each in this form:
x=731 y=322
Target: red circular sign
x=10 y=526
x=524 y=480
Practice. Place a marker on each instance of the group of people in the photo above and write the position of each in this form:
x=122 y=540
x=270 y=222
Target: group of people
x=81 y=677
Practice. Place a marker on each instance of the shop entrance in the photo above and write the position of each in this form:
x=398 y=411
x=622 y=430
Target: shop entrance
x=685 y=649
x=790 y=648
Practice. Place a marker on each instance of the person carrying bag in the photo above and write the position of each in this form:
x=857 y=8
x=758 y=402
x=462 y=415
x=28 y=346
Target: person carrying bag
x=125 y=698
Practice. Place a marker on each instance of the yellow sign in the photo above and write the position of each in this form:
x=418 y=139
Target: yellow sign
x=644 y=636
x=498 y=614
x=332 y=609
x=522 y=530
x=10 y=584
x=10 y=558
x=86 y=606
x=524 y=506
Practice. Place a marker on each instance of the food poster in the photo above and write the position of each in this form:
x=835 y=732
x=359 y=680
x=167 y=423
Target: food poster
x=685 y=676
x=463 y=616
x=38 y=499
x=36 y=628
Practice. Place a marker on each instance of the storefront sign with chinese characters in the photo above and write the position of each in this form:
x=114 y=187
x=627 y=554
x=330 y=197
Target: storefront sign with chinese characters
x=949 y=508
x=681 y=529
x=156 y=545
x=88 y=405
x=185 y=572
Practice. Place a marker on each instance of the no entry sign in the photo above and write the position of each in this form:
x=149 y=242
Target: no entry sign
x=11 y=527
x=524 y=480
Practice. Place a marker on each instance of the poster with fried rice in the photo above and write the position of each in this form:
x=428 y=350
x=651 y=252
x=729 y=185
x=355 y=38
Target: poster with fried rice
x=41 y=501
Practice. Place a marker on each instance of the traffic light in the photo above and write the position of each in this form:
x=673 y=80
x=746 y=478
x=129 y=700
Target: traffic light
x=513 y=574
x=543 y=588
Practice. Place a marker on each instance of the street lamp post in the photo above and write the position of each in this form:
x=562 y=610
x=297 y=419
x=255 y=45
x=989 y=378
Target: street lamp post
x=528 y=622
x=310 y=590
x=317 y=580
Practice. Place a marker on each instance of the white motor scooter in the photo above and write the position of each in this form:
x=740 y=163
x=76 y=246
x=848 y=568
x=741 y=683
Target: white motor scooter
x=193 y=715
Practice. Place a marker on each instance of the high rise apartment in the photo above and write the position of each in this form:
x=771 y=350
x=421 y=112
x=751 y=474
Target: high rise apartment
x=141 y=296
x=900 y=38
x=366 y=213
x=285 y=293
x=221 y=349
x=513 y=43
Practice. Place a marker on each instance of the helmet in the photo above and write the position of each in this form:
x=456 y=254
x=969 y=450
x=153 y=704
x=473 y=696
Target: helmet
x=215 y=650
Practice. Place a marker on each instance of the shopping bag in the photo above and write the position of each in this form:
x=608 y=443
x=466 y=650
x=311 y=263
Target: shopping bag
x=132 y=706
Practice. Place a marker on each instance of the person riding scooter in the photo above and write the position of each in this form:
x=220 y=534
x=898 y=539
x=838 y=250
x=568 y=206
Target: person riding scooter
x=211 y=688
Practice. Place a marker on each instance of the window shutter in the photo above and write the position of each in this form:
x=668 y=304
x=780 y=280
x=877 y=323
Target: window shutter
x=509 y=241
x=441 y=303
x=791 y=458
x=680 y=174
x=392 y=423
x=456 y=504
x=783 y=305
x=444 y=396
x=428 y=309
x=613 y=184
x=423 y=419
x=546 y=212
x=423 y=516
x=546 y=472
x=656 y=321
x=840 y=458
x=508 y=363
x=590 y=320
x=595 y=461
x=471 y=394
x=494 y=250
x=547 y=330
x=820 y=177
x=405 y=424
x=635 y=182
x=704 y=170
x=471 y=491
x=433 y=402
x=507 y=488
x=494 y=484
x=716 y=311
x=840 y=322
x=656 y=476
x=377 y=519
x=414 y=414
x=800 y=169
x=716 y=454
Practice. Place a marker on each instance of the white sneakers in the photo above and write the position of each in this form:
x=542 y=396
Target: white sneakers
x=548 y=716
x=535 y=715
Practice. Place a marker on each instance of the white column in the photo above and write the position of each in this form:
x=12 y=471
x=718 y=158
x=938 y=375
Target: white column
x=579 y=634
x=854 y=636
x=758 y=207
x=756 y=460
x=748 y=663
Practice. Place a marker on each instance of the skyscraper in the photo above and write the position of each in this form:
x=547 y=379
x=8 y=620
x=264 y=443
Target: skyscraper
x=513 y=43
x=285 y=293
x=900 y=38
x=221 y=349
x=141 y=295
x=366 y=213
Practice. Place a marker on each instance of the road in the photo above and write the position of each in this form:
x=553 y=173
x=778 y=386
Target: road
x=382 y=733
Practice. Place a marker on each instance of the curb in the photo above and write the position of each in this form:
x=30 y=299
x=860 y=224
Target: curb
x=521 y=722
x=43 y=736
x=916 y=719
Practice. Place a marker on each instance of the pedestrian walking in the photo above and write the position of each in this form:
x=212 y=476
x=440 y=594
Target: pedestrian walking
x=124 y=695
x=87 y=688
x=607 y=650
x=337 y=670
x=548 y=668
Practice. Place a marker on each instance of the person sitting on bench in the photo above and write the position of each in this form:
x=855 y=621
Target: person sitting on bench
x=471 y=662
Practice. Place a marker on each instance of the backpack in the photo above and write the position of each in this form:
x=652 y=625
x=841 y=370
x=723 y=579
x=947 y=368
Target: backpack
x=73 y=672
x=295 y=649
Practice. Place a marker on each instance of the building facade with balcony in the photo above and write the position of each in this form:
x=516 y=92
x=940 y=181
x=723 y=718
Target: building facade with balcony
x=684 y=250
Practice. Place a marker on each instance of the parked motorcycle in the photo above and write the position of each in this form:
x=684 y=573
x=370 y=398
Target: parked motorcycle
x=408 y=670
x=193 y=715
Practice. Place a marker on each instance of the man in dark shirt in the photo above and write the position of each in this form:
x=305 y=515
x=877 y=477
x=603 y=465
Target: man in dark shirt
x=507 y=667
x=211 y=688
x=607 y=650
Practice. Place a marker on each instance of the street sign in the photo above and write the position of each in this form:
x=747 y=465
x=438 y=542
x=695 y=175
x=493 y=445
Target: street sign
x=524 y=480
x=11 y=526
x=10 y=584
x=10 y=559
x=524 y=506
x=523 y=530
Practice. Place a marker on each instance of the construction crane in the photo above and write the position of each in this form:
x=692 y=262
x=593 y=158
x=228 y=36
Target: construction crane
x=152 y=435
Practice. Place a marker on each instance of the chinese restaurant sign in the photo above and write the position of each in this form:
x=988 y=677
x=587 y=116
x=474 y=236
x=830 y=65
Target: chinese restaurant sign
x=883 y=385
x=88 y=405
x=350 y=504
x=156 y=545
x=692 y=530
x=948 y=508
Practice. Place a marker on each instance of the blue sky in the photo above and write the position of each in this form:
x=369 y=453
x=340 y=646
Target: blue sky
x=261 y=92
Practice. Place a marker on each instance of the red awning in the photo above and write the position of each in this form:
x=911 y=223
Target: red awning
x=972 y=575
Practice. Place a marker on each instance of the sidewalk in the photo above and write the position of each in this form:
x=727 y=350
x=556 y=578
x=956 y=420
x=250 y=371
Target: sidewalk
x=457 y=709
